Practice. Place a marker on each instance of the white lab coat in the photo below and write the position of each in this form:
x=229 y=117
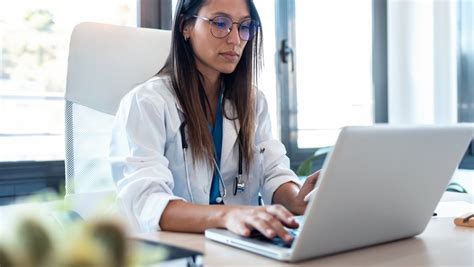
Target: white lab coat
x=147 y=157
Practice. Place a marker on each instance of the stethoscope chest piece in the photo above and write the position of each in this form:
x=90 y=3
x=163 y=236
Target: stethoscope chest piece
x=239 y=185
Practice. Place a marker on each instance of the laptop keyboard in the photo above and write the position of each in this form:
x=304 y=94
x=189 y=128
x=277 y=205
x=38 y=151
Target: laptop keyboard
x=276 y=240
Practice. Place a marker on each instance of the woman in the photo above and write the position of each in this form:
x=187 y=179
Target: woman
x=203 y=99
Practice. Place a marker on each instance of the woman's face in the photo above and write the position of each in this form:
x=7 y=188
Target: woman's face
x=213 y=55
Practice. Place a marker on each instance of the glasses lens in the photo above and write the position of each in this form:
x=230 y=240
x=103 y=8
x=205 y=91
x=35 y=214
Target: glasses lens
x=221 y=26
x=247 y=30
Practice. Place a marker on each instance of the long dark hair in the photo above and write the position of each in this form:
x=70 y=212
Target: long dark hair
x=239 y=85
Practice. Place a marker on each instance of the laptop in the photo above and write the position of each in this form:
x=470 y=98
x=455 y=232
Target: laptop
x=378 y=184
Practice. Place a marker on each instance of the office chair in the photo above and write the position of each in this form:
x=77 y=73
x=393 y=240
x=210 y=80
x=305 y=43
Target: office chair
x=105 y=62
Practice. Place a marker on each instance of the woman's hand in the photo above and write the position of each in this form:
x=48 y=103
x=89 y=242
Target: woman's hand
x=292 y=196
x=268 y=220
x=299 y=205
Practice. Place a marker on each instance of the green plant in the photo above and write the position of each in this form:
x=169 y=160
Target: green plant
x=306 y=167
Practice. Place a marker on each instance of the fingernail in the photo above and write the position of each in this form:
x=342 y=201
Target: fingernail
x=270 y=232
x=288 y=238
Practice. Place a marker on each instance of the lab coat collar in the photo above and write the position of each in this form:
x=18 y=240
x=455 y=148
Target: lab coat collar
x=230 y=129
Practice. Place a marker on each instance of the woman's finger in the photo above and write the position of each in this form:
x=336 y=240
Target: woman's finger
x=282 y=214
x=308 y=185
x=313 y=178
x=276 y=226
x=243 y=229
x=261 y=226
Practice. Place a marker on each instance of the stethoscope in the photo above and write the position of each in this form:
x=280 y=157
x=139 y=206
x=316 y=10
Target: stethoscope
x=239 y=184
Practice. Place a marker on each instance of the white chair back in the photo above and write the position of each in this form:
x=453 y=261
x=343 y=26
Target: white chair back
x=105 y=62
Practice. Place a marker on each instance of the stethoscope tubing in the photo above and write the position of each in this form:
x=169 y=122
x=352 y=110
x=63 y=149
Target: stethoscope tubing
x=221 y=180
x=187 y=176
x=239 y=184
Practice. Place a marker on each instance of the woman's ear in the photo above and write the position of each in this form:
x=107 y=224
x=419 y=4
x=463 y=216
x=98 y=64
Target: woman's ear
x=186 y=33
x=185 y=28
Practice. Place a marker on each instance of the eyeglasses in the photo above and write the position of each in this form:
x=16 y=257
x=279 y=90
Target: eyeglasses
x=221 y=26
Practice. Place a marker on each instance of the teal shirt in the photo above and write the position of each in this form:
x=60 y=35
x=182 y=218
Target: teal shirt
x=216 y=132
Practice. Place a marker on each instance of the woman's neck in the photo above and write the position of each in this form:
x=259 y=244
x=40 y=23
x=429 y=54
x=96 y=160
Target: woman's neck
x=210 y=79
x=212 y=88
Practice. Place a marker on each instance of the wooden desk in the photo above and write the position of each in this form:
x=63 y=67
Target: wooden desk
x=441 y=244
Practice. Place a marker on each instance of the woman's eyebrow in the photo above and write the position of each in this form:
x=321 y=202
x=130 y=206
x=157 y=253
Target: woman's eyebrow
x=228 y=15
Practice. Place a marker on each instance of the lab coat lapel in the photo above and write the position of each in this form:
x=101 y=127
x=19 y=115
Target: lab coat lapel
x=230 y=130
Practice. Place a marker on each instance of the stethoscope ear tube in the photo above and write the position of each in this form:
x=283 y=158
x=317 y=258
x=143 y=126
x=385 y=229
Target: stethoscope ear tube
x=187 y=176
x=184 y=144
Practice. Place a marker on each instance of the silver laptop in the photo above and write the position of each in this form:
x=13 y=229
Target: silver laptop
x=379 y=183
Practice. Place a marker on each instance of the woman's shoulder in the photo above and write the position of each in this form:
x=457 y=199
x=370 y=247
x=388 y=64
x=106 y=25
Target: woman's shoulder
x=261 y=100
x=157 y=86
x=156 y=90
x=260 y=95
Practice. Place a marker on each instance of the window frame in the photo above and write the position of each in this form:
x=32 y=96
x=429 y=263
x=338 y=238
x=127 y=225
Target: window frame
x=22 y=178
x=287 y=92
x=155 y=14
x=465 y=68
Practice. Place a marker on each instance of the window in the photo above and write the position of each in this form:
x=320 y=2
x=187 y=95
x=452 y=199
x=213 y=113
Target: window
x=332 y=68
x=267 y=80
x=34 y=40
x=466 y=61
x=465 y=70
x=325 y=71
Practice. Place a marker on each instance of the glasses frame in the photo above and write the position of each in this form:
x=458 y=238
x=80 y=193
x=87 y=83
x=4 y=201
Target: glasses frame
x=229 y=30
